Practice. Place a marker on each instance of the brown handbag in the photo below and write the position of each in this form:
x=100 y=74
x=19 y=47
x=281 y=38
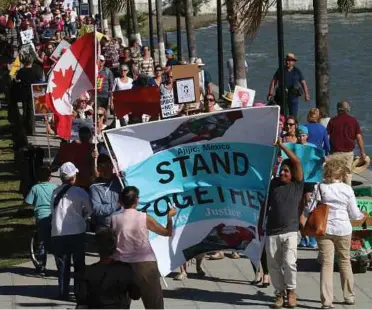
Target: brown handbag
x=316 y=223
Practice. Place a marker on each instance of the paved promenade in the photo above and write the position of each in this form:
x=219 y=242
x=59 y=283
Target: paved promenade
x=226 y=285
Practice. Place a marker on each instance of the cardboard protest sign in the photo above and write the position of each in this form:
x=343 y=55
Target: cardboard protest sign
x=38 y=98
x=214 y=168
x=243 y=97
x=27 y=36
x=63 y=45
x=138 y=101
x=186 y=73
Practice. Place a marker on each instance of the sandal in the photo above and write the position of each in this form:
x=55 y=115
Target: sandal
x=181 y=276
x=217 y=256
x=235 y=255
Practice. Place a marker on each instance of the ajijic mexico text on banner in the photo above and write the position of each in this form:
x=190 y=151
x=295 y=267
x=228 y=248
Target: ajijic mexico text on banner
x=215 y=168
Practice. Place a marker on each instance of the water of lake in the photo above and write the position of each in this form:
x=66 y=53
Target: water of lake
x=350 y=59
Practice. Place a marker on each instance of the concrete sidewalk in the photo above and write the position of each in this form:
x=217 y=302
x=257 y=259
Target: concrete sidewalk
x=226 y=285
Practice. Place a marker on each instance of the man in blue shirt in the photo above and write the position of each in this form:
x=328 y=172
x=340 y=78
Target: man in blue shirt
x=39 y=197
x=294 y=84
x=104 y=193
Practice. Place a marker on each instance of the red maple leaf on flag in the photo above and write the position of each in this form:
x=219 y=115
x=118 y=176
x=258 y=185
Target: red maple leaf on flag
x=63 y=82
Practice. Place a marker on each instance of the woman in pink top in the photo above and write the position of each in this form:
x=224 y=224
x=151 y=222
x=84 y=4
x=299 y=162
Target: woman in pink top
x=133 y=246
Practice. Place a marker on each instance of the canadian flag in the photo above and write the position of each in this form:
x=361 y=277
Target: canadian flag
x=73 y=74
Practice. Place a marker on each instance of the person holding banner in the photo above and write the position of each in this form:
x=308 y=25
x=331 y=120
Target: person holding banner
x=132 y=229
x=285 y=195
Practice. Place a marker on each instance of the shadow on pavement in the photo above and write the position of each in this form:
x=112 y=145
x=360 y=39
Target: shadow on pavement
x=239 y=299
x=307 y=265
x=35 y=291
x=28 y=272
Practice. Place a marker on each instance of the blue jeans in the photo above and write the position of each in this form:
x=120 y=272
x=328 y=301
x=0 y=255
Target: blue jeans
x=293 y=106
x=44 y=227
x=66 y=247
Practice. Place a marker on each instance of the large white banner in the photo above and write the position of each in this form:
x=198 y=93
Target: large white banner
x=215 y=168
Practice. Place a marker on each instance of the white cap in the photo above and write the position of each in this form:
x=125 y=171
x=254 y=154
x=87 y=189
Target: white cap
x=68 y=170
x=102 y=58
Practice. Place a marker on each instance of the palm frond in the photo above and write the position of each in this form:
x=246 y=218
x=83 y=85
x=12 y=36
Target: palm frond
x=247 y=15
x=109 y=6
x=345 y=6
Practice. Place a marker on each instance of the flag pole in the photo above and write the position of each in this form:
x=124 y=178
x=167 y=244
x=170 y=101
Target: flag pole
x=95 y=92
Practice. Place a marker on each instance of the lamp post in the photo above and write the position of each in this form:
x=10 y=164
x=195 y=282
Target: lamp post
x=279 y=17
x=221 y=87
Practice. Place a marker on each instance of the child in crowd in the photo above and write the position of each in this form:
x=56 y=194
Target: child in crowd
x=39 y=197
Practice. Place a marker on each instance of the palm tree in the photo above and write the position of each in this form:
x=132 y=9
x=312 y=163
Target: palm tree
x=112 y=8
x=321 y=54
x=135 y=21
x=159 y=24
x=189 y=21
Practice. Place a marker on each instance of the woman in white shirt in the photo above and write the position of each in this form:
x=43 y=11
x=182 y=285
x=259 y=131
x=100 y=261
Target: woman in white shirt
x=123 y=82
x=342 y=208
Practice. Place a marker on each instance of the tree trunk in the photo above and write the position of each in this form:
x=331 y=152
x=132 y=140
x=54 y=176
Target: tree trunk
x=135 y=22
x=189 y=21
x=321 y=55
x=115 y=20
x=159 y=24
x=237 y=42
x=129 y=21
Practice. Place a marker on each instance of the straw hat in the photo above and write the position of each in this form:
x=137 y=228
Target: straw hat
x=291 y=56
x=199 y=62
x=228 y=96
x=357 y=167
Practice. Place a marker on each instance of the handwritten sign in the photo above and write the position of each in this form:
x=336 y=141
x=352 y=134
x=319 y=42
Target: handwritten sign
x=27 y=36
x=168 y=108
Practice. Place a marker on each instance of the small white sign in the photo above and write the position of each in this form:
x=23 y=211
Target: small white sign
x=185 y=91
x=27 y=36
x=68 y=4
x=243 y=97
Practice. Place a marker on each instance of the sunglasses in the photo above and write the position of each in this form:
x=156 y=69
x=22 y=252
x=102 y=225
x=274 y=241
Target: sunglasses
x=101 y=115
x=158 y=70
x=210 y=99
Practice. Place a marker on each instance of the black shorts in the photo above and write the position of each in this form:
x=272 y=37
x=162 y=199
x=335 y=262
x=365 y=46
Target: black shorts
x=309 y=187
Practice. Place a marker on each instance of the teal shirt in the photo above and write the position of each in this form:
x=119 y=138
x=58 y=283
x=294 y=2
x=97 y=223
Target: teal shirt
x=40 y=196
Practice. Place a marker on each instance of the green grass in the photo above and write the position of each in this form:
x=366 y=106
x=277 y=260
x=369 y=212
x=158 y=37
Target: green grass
x=16 y=220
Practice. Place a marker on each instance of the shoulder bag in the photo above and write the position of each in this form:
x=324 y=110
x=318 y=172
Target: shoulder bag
x=316 y=224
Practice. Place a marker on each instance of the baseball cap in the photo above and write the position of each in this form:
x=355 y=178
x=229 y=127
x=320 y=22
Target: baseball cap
x=302 y=130
x=169 y=51
x=68 y=170
x=102 y=58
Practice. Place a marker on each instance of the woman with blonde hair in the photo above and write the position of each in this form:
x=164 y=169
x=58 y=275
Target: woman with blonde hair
x=317 y=133
x=342 y=208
